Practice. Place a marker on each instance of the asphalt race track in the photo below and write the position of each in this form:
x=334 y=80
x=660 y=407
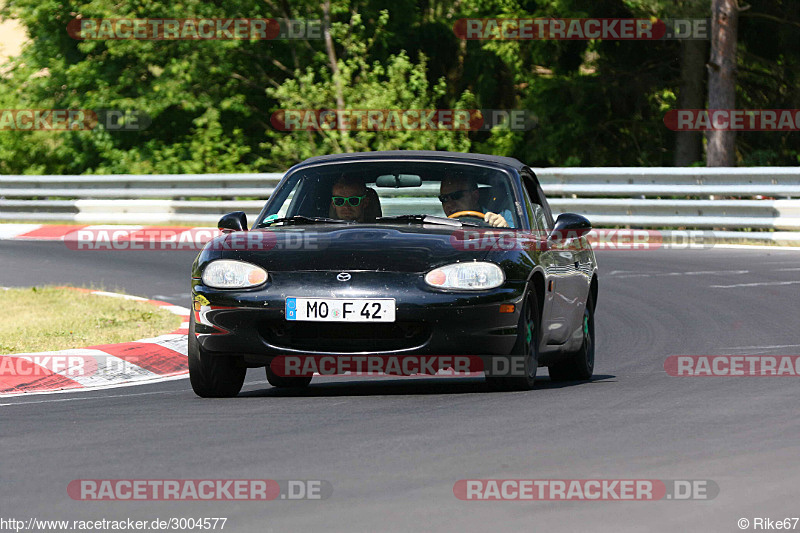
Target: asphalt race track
x=393 y=448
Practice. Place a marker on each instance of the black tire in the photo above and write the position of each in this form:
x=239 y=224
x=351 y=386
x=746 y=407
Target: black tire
x=284 y=382
x=527 y=345
x=213 y=376
x=579 y=365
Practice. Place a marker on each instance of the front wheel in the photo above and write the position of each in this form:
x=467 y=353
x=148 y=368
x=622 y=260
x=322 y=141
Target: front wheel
x=579 y=365
x=212 y=376
x=527 y=347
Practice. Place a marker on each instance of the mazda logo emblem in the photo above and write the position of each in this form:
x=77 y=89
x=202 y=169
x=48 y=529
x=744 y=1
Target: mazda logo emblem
x=343 y=276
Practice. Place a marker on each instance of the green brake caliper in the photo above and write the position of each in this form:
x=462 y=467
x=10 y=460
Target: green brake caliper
x=529 y=334
x=586 y=325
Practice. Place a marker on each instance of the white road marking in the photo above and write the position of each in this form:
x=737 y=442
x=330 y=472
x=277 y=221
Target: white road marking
x=106 y=369
x=698 y=273
x=763 y=347
x=176 y=342
x=118 y=295
x=756 y=247
x=10 y=231
x=101 y=387
x=713 y=272
x=762 y=284
x=177 y=310
x=54 y=400
x=168 y=297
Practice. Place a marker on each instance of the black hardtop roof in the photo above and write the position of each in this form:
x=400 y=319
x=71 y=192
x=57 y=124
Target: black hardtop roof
x=416 y=154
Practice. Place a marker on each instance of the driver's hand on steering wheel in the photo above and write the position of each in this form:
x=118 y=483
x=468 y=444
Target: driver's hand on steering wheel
x=495 y=220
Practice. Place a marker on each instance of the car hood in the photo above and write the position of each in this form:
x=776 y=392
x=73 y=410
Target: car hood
x=397 y=248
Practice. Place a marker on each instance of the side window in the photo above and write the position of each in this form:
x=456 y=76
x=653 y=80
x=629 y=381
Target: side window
x=544 y=216
x=533 y=211
x=286 y=200
x=296 y=200
x=284 y=209
x=541 y=218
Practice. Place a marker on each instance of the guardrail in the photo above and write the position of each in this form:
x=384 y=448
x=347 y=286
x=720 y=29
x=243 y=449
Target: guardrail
x=699 y=182
x=633 y=197
x=146 y=186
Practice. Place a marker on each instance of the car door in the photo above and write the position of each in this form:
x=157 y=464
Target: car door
x=561 y=262
x=552 y=322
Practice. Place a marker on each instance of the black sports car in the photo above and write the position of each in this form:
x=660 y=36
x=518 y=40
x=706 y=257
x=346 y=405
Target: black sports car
x=401 y=253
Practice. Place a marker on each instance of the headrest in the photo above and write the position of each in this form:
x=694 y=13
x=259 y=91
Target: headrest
x=487 y=198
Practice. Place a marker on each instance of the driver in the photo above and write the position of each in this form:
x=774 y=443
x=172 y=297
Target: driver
x=459 y=193
x=349 y=198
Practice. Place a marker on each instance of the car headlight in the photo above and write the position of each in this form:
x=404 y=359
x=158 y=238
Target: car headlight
x=228 y=274
x=466 y=276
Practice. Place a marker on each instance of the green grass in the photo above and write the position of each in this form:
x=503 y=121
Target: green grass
x=42 y=319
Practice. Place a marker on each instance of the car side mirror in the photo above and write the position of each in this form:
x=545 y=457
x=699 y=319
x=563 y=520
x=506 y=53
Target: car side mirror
x=569 y=226
x=236 y=221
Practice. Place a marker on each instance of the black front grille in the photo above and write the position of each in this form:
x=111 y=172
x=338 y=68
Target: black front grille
x=338 y=337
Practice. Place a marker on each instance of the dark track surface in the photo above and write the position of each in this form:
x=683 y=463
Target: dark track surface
x=393 y=450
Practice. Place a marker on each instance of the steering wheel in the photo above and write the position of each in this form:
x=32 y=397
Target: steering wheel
x=476 y=214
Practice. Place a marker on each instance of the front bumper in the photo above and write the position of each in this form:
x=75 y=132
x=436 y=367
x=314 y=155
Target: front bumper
x=252 y=323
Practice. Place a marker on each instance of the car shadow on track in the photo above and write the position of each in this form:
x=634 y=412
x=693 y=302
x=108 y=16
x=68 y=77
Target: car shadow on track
x=408 y=386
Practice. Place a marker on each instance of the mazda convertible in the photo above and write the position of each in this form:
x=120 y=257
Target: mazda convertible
x=398 y=254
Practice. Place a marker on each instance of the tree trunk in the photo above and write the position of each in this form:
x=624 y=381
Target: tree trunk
x=689 y=144
x=337 y=78
x=722 y=79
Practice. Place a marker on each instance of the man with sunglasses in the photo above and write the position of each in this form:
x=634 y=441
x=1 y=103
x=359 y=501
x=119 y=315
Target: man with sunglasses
x=349 y=199
x=459 y=193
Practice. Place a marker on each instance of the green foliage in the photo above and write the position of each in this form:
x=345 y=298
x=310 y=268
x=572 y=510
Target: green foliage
x=597 y=102
x=397 y=83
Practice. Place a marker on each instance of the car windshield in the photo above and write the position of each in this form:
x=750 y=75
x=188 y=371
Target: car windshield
x=366 y=191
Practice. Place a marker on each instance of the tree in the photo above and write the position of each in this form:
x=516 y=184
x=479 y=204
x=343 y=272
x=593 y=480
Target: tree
x=357 y=84
x=722 y=79
x=692 y=95
x=599 y=103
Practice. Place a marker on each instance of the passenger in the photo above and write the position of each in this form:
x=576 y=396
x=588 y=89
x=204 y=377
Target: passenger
x=349 y=199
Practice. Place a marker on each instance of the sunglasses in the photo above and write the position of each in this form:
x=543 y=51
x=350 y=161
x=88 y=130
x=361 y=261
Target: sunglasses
x=455 y=196
x=354 y=201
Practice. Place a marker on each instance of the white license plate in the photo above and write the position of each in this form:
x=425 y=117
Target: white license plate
x=341 y=309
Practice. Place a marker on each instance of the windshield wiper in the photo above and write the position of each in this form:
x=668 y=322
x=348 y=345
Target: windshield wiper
x=300 y=219
x=427 y=219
